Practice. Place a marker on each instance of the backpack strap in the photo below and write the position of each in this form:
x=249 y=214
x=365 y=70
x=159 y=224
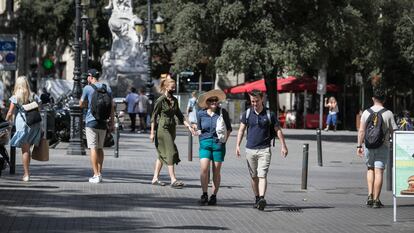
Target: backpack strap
x=382 y=111
x=272 y=125
x=94 y=87
x=247 y=114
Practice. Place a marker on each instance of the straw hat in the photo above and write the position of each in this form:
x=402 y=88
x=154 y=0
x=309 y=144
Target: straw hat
x=202 y=99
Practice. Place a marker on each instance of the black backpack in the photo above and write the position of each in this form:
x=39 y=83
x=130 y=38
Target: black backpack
x=101 y=103
x=374 y=135
x=272 y=133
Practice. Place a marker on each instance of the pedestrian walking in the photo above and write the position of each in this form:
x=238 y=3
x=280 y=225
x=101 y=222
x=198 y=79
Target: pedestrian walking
x=377 y=124
x=100 y=109
x=142 y=110
x=262 y=127
x=192 y=108
x=332 y=117
x=27 y=133
x=132 y=101
x=163 y=132
x=211 y=149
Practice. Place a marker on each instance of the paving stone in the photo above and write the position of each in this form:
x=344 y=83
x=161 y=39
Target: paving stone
x=59 y=198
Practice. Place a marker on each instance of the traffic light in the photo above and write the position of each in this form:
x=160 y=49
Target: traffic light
x=48 y=64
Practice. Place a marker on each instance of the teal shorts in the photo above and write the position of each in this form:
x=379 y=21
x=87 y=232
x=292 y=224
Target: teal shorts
x=210 y=149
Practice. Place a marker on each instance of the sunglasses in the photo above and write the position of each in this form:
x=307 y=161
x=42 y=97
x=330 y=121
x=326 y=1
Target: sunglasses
x=212 y=100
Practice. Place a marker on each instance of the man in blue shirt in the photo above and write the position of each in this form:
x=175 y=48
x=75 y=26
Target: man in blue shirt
x=132 y=100
x=259 y=137
x=95 y=130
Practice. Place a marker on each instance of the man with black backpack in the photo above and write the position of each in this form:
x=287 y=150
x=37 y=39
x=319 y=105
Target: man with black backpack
x=262 y=127
x=100 y=110
x=377 y=124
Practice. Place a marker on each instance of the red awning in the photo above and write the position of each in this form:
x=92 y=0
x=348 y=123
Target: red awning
x=288 y=84
x=306 y=84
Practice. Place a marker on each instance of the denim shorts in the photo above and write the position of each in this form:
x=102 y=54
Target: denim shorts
x=376 y=158
x=212 y=150
x=331 y=119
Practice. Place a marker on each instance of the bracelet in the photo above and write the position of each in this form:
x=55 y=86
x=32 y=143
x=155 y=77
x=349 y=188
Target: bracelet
x=359 y=147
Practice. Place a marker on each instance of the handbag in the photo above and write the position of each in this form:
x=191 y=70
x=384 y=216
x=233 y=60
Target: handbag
x=32 y=113
x=221 y=129
x=41 y=152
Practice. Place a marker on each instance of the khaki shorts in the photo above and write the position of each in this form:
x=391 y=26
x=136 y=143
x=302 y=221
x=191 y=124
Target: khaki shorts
x=258 y=161
x=95 y=138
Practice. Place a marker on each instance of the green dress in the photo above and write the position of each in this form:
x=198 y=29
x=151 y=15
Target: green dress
x=163 y=116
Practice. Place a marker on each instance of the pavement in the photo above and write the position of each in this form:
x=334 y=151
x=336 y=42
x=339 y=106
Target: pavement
x=59 y=198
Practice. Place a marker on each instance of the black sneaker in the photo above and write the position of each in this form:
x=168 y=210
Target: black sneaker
x=203 y=200
x=377 y=204
x=213 y=200
x=255 y=203
x=261 y=204
x=370 y=200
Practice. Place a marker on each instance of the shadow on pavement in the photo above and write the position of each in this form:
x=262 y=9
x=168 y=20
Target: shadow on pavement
x=328 y=138
x=192 y=227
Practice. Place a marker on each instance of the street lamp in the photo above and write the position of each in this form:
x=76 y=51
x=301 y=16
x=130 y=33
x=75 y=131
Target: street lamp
x=88 y=13
x=139 y=28
x=76 y=122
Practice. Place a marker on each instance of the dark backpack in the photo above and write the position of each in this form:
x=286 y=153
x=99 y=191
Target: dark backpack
x=101 y=103
x=374 y=135
x=272 y=133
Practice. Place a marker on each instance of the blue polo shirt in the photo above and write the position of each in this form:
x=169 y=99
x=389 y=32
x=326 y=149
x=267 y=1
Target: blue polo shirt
x=207 y=124
x=258 y=128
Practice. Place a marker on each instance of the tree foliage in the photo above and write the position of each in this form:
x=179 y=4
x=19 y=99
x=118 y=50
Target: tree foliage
x=257 y=37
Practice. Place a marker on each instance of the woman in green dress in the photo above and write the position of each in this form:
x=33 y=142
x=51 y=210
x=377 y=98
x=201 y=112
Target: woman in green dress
x=163 y=126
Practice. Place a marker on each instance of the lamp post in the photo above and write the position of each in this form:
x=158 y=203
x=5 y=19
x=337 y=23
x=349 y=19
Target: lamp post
x=159 y=28
x=76 y=117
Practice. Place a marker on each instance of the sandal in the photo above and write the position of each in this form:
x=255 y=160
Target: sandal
x=157 y=182
x=177 y=184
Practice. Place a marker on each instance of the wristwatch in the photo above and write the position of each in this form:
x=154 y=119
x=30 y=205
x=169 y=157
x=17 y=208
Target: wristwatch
x=359 y=146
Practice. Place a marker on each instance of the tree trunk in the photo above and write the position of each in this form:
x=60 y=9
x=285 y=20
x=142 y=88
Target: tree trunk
x=271 y=90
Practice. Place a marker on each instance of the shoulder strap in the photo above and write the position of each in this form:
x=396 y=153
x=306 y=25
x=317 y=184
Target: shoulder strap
x=268 y=115
x=94 y=87
x=272 y=124
x=382 y=111
x=247 y=115
x=370 y=110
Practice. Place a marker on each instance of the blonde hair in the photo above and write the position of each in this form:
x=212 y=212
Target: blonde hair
x=22 y=90
x=165 y=82
x=332 y=99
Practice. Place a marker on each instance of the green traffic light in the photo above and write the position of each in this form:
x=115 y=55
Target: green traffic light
x=48 y=64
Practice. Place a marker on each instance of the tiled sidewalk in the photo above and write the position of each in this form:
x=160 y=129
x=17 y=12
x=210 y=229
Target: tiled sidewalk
x=59 y=198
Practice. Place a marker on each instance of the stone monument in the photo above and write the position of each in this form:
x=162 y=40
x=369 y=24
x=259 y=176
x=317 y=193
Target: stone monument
x=125 y=65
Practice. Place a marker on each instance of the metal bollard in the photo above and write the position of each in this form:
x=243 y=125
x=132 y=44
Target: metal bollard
x=190 y=147
x=116 y=149
x=12 y=154
x=319 y=146
x=390 y=166
x=305 y=166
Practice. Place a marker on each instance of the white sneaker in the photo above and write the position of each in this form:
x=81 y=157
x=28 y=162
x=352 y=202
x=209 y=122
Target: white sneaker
x=26 y=178
x=95 y=179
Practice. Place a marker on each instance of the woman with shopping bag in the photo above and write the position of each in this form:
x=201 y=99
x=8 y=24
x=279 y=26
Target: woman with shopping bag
x=27 y=120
